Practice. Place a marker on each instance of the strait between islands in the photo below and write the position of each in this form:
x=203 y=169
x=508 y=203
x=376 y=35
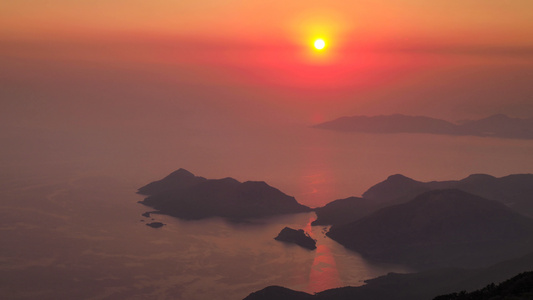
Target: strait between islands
x=461 y=234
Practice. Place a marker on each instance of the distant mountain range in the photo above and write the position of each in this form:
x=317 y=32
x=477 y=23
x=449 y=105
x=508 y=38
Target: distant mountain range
x=515 y=191
x=498 y=125
x=440 y=228
x=184 y=195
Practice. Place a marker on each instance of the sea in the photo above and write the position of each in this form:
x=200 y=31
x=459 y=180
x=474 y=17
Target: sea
x=71 y=225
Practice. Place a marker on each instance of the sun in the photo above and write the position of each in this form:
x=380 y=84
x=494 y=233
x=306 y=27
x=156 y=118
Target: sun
x=319 y=44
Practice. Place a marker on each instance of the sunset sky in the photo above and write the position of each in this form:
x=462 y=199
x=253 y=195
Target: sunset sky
x=210 y=68
x=99 y=98
x=375 y=48
x=469 y=21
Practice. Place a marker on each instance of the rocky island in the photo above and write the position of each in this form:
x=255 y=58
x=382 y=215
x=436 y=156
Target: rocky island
x=184 y=195
x=299 y=237
x=155 y=224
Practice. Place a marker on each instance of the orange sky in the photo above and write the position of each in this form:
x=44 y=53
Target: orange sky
x=230 y=72
x=376 y=49
x=490 y=20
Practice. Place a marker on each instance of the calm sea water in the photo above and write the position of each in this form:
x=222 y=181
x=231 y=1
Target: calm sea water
x=71 y=228
x=84 y=239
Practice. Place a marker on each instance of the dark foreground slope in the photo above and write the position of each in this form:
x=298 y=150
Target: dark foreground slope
x=519 y=287
x=183 y=195
x=416 y=286
x=441 y=228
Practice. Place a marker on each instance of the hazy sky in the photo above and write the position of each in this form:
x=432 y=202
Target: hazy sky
x=406 y=56
x=468 y=20
x=165 y=81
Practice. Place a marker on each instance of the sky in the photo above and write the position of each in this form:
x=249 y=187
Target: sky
x=381 y=56
x=492 y=20
x=130 y=90
x=154 y=71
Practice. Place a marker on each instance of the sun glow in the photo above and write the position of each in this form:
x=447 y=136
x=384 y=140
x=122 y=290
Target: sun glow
x=319 y=44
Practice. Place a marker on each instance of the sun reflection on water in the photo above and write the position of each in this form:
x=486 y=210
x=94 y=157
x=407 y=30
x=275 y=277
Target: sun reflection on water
x=324 y=274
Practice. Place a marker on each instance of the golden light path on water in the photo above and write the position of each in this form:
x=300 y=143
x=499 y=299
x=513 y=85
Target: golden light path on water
x=324 y=274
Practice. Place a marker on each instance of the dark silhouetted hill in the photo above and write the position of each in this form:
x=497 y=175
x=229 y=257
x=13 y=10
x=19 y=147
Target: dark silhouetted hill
x=519 y=287
x=498 y=125
x=515 y=191
x=183 y=195
x=415 y=286
x=440 y=228
x=298 y=237
x=396 y=189
x=175 y=180
x=278 y=293
x=344 y=211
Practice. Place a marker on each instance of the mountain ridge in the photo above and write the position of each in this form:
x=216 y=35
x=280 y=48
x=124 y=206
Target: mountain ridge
x=513 y=190
x=439 y=228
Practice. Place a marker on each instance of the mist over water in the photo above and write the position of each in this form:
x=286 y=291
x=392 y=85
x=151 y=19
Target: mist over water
x=73 y=228
x=78 y=141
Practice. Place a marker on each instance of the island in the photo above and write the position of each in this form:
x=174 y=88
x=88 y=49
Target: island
x=498 y=125
x=155 y=224
x=184 y=195
x=298 y=237
x=514 y=191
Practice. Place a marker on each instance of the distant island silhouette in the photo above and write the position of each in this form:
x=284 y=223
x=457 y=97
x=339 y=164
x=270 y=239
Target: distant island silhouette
x=155 y=224
x=184 y=195
x=515 y=191
x=498 y=125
